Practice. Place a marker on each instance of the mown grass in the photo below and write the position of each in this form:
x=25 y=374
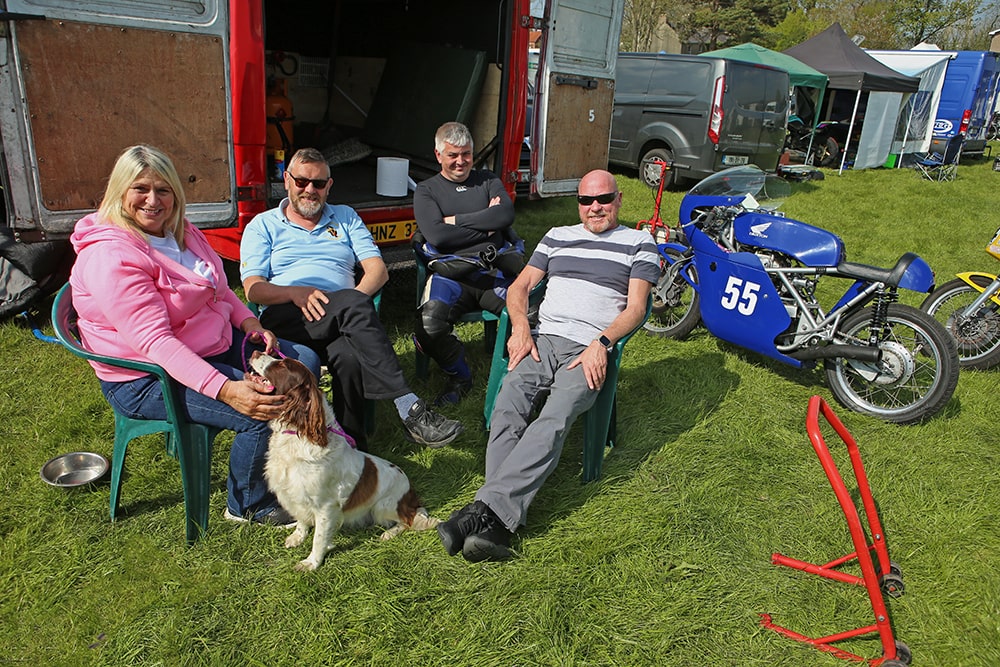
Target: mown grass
x=664 y=561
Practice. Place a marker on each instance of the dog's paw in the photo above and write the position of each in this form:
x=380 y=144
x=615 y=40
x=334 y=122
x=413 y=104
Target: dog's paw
x=392 y=532
x=423 y=521
x=294 y=540
x=306 y=565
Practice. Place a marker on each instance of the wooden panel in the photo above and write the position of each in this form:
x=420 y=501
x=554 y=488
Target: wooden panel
x=577 y=127
x=94 y=90
x=484 y=122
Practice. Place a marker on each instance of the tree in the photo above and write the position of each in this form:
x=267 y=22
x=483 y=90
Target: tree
x=721 y=22
x=640 y=22
x=893 y=24
x=926 y=20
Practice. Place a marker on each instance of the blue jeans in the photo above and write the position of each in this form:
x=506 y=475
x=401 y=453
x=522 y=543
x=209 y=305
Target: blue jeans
x=143 y=399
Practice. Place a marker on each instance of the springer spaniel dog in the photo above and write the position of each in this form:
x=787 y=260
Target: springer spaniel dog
x=318 y=475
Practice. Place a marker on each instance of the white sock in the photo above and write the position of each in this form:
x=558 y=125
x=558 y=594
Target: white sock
x=404 y=403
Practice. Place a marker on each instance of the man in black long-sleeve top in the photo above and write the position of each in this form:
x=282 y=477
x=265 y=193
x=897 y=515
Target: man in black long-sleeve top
x=465 y=219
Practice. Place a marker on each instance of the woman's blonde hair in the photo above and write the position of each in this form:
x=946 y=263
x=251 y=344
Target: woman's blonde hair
x=133 y=161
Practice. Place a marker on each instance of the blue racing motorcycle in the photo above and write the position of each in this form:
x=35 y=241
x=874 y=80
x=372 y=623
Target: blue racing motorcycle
x=749 y=275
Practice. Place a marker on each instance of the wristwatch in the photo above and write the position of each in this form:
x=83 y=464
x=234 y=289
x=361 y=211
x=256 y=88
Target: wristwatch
x=606 y=342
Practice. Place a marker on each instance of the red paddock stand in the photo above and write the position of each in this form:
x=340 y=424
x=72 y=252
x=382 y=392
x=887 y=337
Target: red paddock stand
x=878 y=574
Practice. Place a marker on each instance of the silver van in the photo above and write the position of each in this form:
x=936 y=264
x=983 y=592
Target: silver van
x=704 y=113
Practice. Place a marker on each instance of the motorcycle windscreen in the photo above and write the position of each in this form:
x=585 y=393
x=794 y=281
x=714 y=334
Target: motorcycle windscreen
x=91 y=90
x=739 y=303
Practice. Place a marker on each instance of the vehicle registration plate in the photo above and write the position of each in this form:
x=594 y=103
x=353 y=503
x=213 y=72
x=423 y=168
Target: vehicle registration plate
x=734 y=160
x=392 y=232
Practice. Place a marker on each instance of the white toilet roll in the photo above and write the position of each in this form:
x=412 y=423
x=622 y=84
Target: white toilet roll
x=390 y=180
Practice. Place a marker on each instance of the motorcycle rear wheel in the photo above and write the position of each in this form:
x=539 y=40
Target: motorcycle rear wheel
x=675 y=311
x=917 y=374
x=978 y=338
x=827 y=151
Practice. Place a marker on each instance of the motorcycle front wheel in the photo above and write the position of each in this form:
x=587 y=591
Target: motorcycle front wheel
x=675 y=303
x=916 y=376
x=977 y=337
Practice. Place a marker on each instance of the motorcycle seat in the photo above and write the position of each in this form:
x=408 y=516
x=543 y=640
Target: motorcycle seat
x=868 y=273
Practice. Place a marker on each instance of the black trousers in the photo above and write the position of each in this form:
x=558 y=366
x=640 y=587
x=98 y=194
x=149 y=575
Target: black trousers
x=358 y=353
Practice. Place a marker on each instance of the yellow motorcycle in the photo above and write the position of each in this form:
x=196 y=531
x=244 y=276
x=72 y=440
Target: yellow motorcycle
x=969 y=308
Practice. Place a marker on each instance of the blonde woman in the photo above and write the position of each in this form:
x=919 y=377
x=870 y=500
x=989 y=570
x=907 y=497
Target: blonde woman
x=147 y=286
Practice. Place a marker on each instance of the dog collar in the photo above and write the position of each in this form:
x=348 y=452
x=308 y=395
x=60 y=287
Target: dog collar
x=330 y=429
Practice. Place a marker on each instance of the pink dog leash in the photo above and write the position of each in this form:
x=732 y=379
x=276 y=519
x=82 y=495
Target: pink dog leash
x=245 y=356
x=331 y=429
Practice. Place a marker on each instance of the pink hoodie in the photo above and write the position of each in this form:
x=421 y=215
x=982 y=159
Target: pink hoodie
x=135 y=303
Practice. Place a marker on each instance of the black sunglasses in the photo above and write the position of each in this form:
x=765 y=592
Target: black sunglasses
x=606 y=198
x=318 y=183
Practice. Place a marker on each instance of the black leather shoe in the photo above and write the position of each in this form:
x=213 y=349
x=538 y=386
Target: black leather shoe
x=470 y=519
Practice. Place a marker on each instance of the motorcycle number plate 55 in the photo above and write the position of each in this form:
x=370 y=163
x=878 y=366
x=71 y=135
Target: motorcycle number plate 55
x=740 y=295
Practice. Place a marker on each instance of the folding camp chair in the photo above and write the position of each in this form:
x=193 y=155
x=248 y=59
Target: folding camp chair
x=941 y=166
x=190 y=444
x=600 y=430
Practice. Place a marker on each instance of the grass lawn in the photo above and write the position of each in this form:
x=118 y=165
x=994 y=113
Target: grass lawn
x=665 y=561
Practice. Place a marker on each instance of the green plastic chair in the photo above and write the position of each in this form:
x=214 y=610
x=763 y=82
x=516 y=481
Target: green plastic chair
x=600 y=430
x=489 y=320
x=190 y=444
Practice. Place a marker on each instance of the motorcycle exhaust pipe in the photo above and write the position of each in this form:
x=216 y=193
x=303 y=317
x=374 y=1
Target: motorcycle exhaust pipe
x=871 y=355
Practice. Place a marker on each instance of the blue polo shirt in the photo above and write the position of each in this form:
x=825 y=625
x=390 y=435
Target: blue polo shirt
x=280 y=251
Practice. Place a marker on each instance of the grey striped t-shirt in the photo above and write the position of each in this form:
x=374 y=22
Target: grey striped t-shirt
x=588 y=276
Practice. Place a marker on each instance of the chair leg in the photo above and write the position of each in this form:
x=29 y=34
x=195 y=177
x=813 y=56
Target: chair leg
x=117 y=464
x=596 y=429
x=126 y=430
x=422 y=363
x=195 y=457
x=490 y=335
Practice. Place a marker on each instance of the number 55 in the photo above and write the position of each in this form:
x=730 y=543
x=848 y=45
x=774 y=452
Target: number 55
x=744 y=303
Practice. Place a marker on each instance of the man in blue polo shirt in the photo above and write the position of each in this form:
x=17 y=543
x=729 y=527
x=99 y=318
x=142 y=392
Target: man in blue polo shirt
x=299 y=262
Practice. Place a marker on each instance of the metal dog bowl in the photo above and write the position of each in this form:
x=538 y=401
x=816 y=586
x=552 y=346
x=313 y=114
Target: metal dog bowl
x=76 y=469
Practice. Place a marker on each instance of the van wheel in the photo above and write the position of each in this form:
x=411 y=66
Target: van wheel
x=650 y=170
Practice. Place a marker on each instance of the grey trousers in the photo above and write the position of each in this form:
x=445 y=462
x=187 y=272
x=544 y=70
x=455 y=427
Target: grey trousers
x=521 y=455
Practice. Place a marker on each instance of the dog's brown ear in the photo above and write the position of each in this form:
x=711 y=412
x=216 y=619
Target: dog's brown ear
x=304 y=403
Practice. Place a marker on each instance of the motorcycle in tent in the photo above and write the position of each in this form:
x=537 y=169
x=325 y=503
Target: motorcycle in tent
x=812 y=146
x=750 y=275
x=969 y=308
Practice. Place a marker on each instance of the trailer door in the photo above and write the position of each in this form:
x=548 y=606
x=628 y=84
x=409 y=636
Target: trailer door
x=80 y=81
x=576 y=92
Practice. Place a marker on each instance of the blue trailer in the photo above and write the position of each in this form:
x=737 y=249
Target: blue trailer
x=968 y=96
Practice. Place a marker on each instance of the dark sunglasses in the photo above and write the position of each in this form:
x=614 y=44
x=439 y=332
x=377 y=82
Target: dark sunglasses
x=318 y=183
x=606 y=198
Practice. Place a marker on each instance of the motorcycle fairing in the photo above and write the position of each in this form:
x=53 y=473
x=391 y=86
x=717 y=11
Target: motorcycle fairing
x=968 y=276
x=918 y=276
x=739 y=302
x=812 y=246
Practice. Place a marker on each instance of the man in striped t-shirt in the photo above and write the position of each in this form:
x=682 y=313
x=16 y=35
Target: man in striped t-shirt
x=599 y=276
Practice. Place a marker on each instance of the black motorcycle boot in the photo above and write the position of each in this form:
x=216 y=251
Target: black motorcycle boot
x=491 y=543
x=470 y=519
